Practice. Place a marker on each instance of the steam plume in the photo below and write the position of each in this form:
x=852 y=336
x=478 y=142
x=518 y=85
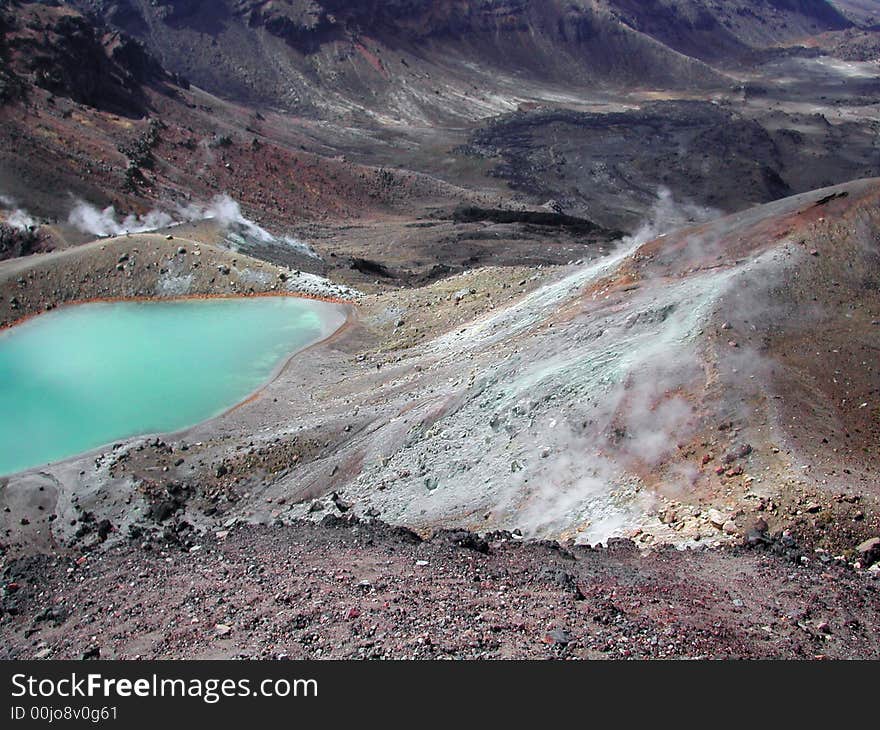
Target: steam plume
x=240 y=230
x=15 y=216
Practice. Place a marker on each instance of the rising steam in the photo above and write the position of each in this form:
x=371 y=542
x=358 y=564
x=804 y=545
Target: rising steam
x=105 y=222
x=627 y=371
x=15 y=216
x=241 y=231
x=586 y=412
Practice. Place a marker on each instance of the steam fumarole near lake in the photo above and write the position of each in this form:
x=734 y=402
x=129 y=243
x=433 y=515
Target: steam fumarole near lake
x=86 y=375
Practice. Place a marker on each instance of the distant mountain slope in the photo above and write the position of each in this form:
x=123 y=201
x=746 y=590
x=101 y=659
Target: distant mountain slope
x=719 y=32
x=407 y=59
x=56 y=48
x=862 y=12
x=87 y=113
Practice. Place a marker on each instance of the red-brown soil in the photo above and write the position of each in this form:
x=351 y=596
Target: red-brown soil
x=363 y=590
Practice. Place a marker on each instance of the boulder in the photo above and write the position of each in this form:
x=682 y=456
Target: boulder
x=869 y=551
x=717 y=518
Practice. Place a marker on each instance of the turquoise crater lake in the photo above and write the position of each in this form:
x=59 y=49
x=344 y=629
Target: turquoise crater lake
x=91 y=374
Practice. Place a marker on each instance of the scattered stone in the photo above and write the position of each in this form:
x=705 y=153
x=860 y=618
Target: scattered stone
x=104 y=529
x=741 y=452
x=558 y=636
x=717 y=518
x=564 y=580
x=463 y=539
x=869 y=551
x=161 y=511
x=339 y=503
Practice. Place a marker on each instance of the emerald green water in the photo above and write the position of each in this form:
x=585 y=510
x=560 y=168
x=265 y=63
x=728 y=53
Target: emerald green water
x=88 y=375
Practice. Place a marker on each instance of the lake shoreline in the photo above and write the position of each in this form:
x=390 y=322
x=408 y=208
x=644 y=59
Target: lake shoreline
x=332 y=322
x=140 y=299
x=148 y=267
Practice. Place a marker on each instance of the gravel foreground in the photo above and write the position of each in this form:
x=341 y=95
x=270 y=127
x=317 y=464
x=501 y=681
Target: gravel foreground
x=349 y=589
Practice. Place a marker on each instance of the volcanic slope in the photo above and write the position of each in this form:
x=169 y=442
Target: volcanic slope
x=676 y=389
x=731 y=365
